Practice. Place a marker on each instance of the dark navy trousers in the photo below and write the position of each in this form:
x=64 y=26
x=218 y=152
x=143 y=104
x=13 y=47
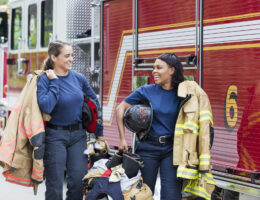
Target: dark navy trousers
x=160 y=156
x=64 y=150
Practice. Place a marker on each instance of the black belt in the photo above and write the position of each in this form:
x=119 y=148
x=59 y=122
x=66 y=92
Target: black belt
x=72 y=127
x=160 y=139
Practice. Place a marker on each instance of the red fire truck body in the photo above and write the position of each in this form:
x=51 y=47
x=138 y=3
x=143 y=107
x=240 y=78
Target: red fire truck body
x=218 y=43
x=224 y=37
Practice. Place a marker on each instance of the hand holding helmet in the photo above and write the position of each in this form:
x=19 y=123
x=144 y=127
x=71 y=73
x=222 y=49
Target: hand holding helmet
x=138 y=119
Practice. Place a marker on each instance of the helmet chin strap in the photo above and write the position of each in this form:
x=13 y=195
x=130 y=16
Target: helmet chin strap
x=133 y=142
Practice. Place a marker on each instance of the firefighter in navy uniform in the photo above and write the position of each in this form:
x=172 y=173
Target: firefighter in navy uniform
x=60 y=93
x=157 y=148
x=176 y=111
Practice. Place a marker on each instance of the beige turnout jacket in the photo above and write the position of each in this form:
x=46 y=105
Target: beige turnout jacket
x=193 y=130
x=22 y=144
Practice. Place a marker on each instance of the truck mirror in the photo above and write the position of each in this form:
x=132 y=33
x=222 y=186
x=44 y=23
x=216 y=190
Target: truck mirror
x=3 y=27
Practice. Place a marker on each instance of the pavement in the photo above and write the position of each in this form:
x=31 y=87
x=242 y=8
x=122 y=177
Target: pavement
x=10 y=191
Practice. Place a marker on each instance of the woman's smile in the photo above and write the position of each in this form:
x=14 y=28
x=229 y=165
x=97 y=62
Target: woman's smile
x=162 y=74
x=156 y=77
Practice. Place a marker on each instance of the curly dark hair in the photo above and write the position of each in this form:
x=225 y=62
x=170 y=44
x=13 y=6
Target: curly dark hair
x=173 y=61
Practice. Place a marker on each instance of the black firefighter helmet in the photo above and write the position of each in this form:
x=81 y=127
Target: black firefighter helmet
x=138 y=118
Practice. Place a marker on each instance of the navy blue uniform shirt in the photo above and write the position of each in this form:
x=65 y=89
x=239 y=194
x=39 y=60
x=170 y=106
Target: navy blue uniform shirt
x=165 y=107
x=62 y=98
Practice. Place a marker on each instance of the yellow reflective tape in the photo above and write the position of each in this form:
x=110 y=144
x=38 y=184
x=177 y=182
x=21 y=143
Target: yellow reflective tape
x=206 y=118
x=178 y=130
x=186 y=176
x=193 y=126
x=204 y=159
x=205 y=112
x=204 y=156
x=179 y=125
x=208 y=175
x=187 y=173
x=198 y=191
x=193 y=123
x=206 y=115
x=211 y=182
x=187 y=169
x=204 y=163
x=188 y=125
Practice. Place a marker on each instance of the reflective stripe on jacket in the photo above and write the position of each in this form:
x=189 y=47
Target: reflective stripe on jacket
x=22 y=144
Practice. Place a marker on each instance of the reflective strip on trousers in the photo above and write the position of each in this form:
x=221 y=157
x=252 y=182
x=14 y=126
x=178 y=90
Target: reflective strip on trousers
x=198 y=191
x=187 y=173
x=209 y=179
x=204 y=159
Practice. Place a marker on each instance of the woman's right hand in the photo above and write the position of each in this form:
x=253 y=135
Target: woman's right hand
x=123 y=145
x=50 y=74
x=120 y=110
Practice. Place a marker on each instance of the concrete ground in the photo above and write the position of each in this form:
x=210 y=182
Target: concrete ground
x=10 y=191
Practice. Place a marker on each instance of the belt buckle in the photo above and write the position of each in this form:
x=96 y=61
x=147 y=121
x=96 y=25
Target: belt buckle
x=74 y=127
x=162 y=139
x=70 y=128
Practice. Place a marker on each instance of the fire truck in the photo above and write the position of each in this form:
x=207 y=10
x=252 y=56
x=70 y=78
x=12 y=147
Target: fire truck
x=3 y=65
x=218 y=43
x=115 y=43
x=24 y=42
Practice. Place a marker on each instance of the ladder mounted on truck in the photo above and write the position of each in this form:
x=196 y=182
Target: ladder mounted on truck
x=188 y=62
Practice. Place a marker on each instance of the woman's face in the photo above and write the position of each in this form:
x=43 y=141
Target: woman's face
x=64 y=59
x=162 y=73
